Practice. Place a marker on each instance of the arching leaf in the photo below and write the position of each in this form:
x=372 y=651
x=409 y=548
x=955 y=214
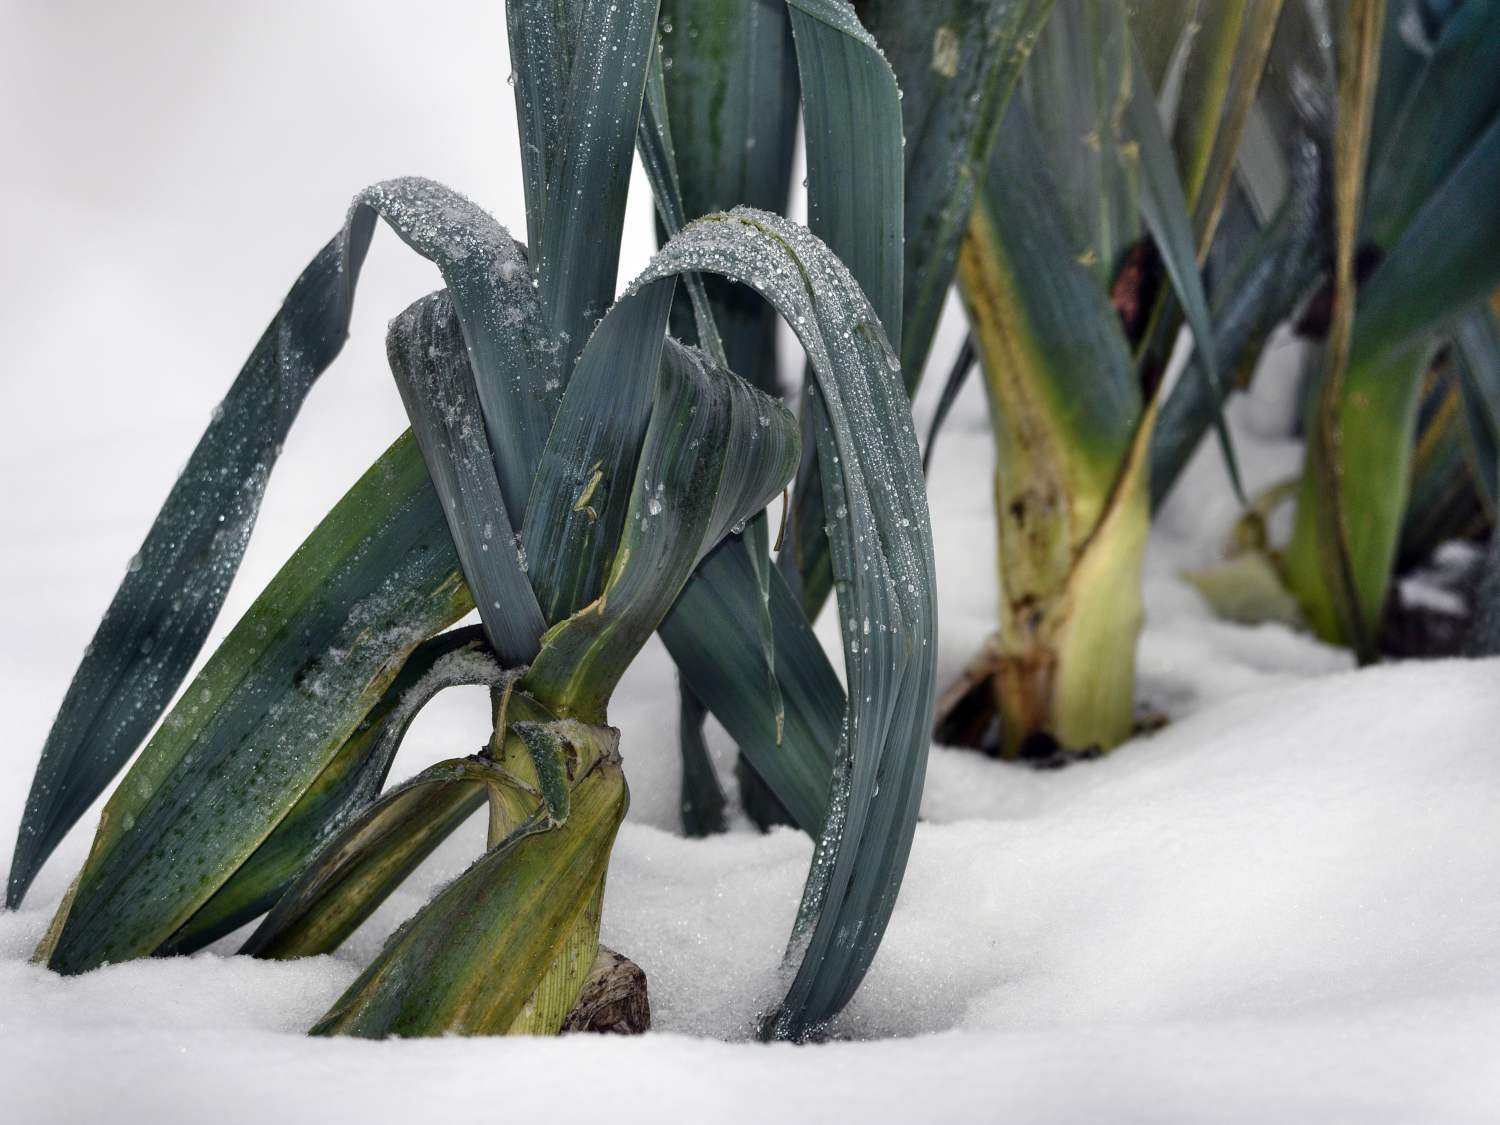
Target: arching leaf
x=852 y=121
x=427 y=356
x=160 y=616
x=883 y=566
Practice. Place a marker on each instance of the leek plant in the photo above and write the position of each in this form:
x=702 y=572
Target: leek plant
x=1398 y=106
x=582 y=479
x=1431 y=225
x=1079 y=266
x=1094 y=242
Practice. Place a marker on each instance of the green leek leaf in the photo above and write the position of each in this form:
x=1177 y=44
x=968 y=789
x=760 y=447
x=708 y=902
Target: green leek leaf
x=427 y=356
x=577 y=254
x=370 y=856
x=268 y=713
x=715 y=453
x=349 y=783
x=957 y=62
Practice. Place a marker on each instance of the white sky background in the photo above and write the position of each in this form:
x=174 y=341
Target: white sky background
x=169 y=169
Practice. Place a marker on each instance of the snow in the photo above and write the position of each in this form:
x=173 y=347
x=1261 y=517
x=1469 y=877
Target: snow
x=1280 y=907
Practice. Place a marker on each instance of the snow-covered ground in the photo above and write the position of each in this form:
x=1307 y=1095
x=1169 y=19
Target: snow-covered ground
x=1281 y=907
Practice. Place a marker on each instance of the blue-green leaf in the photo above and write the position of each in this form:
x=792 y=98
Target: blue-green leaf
x=963 y=365
x=584 y=210
x=162 y=612
x=957 y=62
x=731 y=93
x=713 y=637
x=884 y=573
x=1165 y=210
x=427 y=356
x=715 y=453
x=267 y=714
x=346 y=786
x=852 y=119
x=703 y=799
x=1267 y=279
x=1448 y=101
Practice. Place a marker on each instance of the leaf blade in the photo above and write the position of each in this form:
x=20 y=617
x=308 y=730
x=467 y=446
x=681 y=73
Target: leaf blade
x=347 y=785
x=714 y=454
x=732 y=97
x=1339 y=611
x=584 y=210
x=855 y=189
x=957 y=62
x=719 y=654
x=1164 y=208
x=883 y=533
x=239 y=750
x=427 y=356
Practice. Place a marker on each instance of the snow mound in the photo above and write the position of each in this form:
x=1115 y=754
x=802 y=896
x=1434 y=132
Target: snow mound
x=1276 y=906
